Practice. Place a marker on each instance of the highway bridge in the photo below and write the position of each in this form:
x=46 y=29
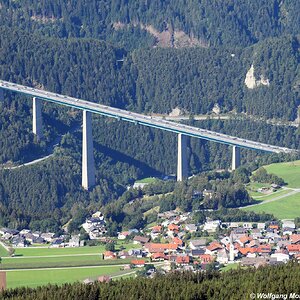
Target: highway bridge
x=89 y=107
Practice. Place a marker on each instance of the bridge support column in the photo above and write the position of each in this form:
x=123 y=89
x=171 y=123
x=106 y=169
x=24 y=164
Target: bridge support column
x=1 y=95
x=236 y=157
x=88 y=164
x=182 y=167
x=37 y=121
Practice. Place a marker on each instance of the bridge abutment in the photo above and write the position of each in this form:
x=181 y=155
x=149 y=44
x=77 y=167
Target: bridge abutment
x=182 y=164
x=37 y=121
x=88 y=164
x=236 y=157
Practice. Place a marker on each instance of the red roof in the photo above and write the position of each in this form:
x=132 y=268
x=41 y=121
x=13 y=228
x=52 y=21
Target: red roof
x=177 y=241
x=156 y=228
x=158 y=255
x=154 y=247
x=214 y=246
x=138 y=262
x=295 y=238
x=182 y=259
x=293 y=248
x=173 y=227
x=244 y=239
x=206 y=258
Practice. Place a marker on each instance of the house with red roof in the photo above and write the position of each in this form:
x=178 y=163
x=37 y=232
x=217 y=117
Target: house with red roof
x=109 y=255
x=295 y=238
x=293 y=249
x=182 y=260
x=138 y=263
x=158 y=247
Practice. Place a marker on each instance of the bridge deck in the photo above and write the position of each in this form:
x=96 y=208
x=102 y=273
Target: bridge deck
x=142 y=119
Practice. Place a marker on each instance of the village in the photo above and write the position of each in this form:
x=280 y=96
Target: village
x=177 y=244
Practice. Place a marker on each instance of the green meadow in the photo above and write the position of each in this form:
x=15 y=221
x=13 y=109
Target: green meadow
x=33 y=278
x=288 y=171
x=285 y=208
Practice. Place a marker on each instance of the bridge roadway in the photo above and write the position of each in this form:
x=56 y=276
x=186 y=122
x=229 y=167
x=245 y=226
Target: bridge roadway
x=142 y=119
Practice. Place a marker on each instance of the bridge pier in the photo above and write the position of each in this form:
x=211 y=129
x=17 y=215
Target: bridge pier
x=37 y=121
x=182 y=166
x=1 y=95
x=236 y=157
x=88 y=164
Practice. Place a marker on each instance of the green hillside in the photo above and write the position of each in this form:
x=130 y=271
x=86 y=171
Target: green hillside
x=289 y=172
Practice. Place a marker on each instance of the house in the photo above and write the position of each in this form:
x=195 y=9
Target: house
x=196 y=244
x=177 y=241
x=191 y=227
x=18 y=242
x=38 y=240
x=57 y=243
x=247 y=225
x=158 y=256
x=293 y=249
x=182 y=260
x=197 y=252
x=206 y=258
x=136 y=252
x=261 y=226
x=124 y=254
x=213 y=247
x=222 y=256
x=281 y=257
x=139 y=263
x=287 y=231
x=162 y=248
x=140 y=239
x=173 y=227
x=256 y=233
x=288 y=223
x=74 y=241
x=211 y=226
x=48 y=236
x=123 y=235
x=295 y=238
x=109 y=255
x=253 y=261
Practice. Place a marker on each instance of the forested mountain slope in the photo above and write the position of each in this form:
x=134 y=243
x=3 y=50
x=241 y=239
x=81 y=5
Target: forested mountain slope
x=247 y=60
x=215 y=23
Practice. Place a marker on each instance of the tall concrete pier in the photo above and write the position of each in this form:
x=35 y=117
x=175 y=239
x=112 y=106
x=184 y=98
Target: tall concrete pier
x=236 y=157
x=88 y=164
x=182 y=167
x=37 y=121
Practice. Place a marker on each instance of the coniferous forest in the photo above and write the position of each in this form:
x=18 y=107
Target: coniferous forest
x=104 y=51
x=239 y=284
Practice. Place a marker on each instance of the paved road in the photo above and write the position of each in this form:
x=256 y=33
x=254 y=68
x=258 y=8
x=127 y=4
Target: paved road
x=142 y=119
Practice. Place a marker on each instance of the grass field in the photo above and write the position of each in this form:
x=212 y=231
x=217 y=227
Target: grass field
x=34 y=251
x=3 y=252
x=58 y=261
x=230 y=267
x=271 y=196
x=147 y=180
x=33 y=278
x=285 y=208
x=289 y=172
